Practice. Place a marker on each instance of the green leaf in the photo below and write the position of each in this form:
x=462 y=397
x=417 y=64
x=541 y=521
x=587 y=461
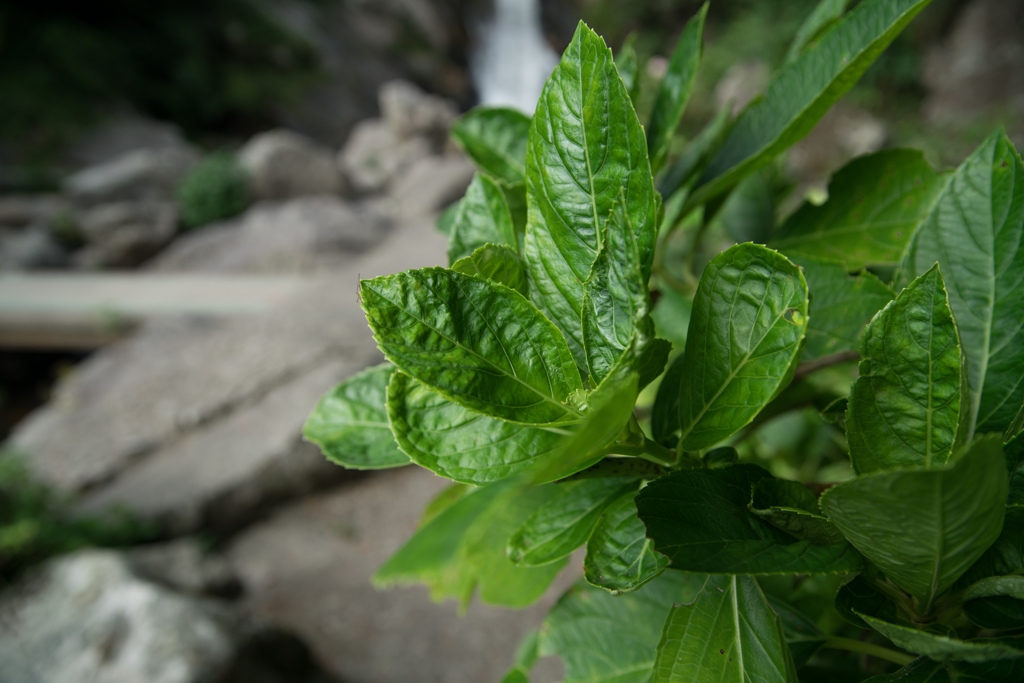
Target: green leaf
x=729 y=633
x=748 y=213
x=699 y=519
x=674 y=91
x=350 y=423
x=860 y=596
x=749 y=316
x=616 y=303
x=495 y=139
x=483 y=218
x=475 y=342
x=628 y=66
x=665 y=412
x=874 y=204
x=1011 y=586
x=653 y=359
x=926 y=670
x=942 y=648
x=803 y=91
x=1016 y=426
x=687 y=169
x=526 y=657
x=803 y=636
x=975 y=231
x=461 y=444
x=790 y=506
x=841 y=306
x=924 y=528
x=462 y=549
x=999 y=612
x=498 y=263
x=566 y=522
x=586 y=629
x=586 y=150
x=905 y=408
x=824 y=14
x=619 y=555
x=1004 y=557
x=1014 y=452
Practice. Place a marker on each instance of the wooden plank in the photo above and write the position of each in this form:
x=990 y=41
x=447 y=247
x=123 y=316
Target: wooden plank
x=83 y=310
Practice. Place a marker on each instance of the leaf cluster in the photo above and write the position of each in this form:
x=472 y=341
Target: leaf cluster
x=520 y=372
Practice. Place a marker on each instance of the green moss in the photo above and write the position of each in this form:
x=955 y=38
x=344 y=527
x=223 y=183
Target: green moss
x=217 y=188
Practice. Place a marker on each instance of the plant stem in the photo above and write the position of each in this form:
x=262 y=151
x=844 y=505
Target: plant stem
x=871 y=649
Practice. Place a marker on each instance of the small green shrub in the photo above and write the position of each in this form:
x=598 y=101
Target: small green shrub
x=217 y=188
x=36 y=523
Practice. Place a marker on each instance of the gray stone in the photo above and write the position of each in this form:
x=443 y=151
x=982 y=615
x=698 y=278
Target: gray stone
x=410 y=112
x=431 y=184
x=303 y=235
x=222 y=474
x=282 y=164
x=978 y=72
x=124 y=234
x=846 y=131
x=120 y=134
x=308 y=569
x=31 y=247
x=373 y=155
x=740 y=84
x=183 y=565
x=145 y=174
x=89 y=617
x=19 y=210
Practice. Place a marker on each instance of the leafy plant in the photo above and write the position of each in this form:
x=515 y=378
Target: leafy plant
x=215 y=189
x=748 y=513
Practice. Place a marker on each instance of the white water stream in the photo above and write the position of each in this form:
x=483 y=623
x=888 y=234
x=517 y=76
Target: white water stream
x=512 y=59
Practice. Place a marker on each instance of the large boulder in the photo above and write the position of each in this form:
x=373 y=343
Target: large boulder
x=89 y=617
x=304 y=235
x=144 y=174
x=124 y=234
x=374 y=155
x=31 y=247
x=283 y=164
x=119 y=134
x=308 y=569
x=410 y=112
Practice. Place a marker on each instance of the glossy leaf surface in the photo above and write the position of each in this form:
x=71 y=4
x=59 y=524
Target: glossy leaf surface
x=483 y=217
x=462 y=444
x=905 y=408
x=942 y=648
x=841 y=306
x=675 y=88
x=620 y=557
x=496 y=262
x=477 y=343
x=729 y=633
x=975 y=232
x=790 y=506
x=749 y=316
x=586 y=151
x=802 y=91
x=495 y=139
x=566 y=522
x=585 y=629
x=350 y=423
x=924 y=528
x=700 y=520
x=875 y=202
x=462 y=549
x=615 y=301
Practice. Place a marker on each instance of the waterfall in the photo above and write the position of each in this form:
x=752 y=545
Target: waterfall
x=511 y=59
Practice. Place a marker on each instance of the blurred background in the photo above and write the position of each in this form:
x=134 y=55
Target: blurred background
x=189 y=193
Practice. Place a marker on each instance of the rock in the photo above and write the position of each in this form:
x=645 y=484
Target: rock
x=740 y=84
x=282 y=164
x=31 y=247
x=194 y=386
x=409 y=112
x=846 y=131
x=124 y=234
x=146 y=174
x=431 y=184
x=979 y=70
x=307 y=569
x=120 y=134
x=302 y=235
x=373 y=155
x=222 y=474
x=88 y=617
x=184 y=566
x=19 y=210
